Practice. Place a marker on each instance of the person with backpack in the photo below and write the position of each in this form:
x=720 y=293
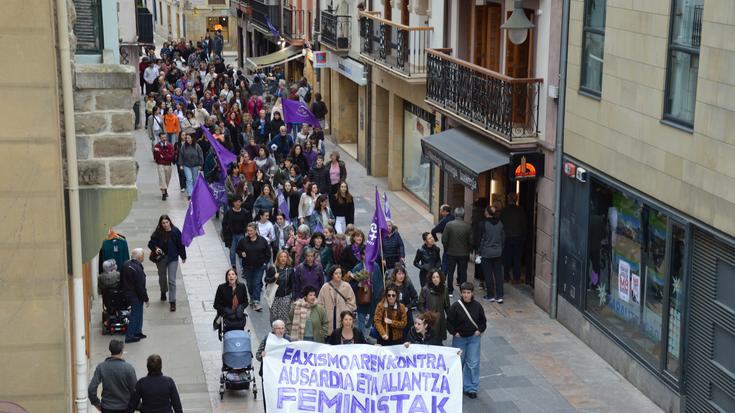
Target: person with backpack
x=304 y=91
x=319 y=109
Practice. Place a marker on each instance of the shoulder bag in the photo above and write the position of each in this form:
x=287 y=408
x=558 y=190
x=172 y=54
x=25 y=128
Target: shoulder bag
x=461 y=304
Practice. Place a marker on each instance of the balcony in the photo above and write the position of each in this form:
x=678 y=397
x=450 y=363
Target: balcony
x=296 y=24
x=266 y=13
x=335 y=30
x=489 y=101
x=398 y=48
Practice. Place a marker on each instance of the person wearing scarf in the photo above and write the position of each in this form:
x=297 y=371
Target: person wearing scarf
x=307 y=320
x=230 y=301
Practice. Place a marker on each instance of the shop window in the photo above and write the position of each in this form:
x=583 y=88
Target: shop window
x=636 y=257
x=417 y=170
x=676 y=298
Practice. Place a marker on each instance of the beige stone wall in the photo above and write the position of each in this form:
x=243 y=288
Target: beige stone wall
x=34 y=349
x=622 y=135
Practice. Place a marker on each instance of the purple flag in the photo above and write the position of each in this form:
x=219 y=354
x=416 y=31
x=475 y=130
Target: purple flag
x=202 y=207
x=224 y=156
x=377 y=229
x=272 y=28
x=283 y=205
x=386 y=207
x=296 y=112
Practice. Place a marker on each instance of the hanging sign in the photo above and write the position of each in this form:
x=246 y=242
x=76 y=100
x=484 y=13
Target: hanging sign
x=526 y=165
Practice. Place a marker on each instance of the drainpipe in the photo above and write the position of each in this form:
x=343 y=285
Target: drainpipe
x=80 y=356
x=558 y=152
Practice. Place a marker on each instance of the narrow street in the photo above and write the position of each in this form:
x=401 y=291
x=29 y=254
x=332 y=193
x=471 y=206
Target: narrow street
x=530 y=363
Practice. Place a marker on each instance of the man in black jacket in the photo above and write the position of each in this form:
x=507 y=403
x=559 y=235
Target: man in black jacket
x=445 y=212
x=255 y=254
x=466 y=322
x=319 y=175
x=132 y=279
x=155 y=392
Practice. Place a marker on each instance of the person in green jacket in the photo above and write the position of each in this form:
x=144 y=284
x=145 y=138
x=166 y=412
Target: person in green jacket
x=457 y=239
x=307 y=319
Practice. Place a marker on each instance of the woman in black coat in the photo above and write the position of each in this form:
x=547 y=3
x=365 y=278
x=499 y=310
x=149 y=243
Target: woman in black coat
x=427 y=257
x=347 y=333
x=230 y=301
x=166 y=241
x=155 y=392
x=343 y=206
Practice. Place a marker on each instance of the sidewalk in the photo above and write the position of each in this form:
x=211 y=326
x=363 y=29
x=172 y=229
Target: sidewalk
x=185 y=340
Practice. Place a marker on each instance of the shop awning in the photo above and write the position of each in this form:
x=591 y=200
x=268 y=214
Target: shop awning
x=463 y=154
x=276 y=58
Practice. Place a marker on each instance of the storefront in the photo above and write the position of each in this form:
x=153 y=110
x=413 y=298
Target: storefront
x=222 y=23
x=477 y=173
x=630 y=265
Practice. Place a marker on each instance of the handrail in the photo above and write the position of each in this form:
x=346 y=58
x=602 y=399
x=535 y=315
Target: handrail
x=441 y=53
x=373 y=15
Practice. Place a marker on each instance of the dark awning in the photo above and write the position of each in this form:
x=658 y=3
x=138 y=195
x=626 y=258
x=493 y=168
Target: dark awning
x=463 y=154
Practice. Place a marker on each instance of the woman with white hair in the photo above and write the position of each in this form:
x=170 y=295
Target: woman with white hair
x=278 y=328
x=109 y=278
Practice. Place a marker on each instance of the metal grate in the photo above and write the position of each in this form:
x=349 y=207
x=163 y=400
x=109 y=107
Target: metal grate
x=708 y=382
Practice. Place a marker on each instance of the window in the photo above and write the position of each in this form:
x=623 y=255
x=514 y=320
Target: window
x=683 y=65
x=635 y=274
x=593 y=46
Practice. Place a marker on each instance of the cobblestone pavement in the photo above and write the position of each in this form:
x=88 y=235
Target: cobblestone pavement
x=530 y=363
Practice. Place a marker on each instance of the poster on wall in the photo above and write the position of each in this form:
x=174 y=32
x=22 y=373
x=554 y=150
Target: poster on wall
x=321 y=59
x=624 y=281
x=635 y=288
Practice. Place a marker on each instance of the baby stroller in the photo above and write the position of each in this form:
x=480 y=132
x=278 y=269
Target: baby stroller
x=115 y=311
x=237 y=363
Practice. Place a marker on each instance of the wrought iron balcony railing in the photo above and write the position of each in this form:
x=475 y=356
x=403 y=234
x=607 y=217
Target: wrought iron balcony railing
x=296 y=23
x=265 y=11
x=494 y=102
x=393 y=45
x=335 y=30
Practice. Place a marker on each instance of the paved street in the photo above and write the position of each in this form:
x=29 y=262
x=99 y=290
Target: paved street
x=530 y=363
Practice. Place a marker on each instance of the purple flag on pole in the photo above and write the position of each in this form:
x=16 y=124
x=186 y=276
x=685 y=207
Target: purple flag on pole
x=224 y=156
x=283 y=205
x=377 y=229
x=296 y=112
x=272 y=28
x=202 y=207
x=386 y=207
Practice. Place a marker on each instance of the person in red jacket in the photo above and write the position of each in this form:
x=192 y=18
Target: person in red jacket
x=163 y=154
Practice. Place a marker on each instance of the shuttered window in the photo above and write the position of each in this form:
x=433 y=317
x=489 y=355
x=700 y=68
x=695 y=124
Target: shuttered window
x=88 y=26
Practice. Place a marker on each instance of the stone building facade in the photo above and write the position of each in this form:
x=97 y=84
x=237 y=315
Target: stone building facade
x=35 y=278
x=647 y=239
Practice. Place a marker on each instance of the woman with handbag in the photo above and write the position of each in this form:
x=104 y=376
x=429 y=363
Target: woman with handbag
x=336 y=297
x=166 y=249
x=434 y=298
x=230 y=301
x=281 y=275
x=391 y=318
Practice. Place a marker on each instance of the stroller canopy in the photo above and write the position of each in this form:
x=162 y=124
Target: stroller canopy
x=236 y=350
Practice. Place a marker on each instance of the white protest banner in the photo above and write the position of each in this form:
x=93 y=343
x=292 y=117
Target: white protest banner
x=359 y=378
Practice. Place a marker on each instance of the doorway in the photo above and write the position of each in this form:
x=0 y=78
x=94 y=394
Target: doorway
x=487 y=36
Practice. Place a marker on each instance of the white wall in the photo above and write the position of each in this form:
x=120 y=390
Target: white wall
x=126 y=21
